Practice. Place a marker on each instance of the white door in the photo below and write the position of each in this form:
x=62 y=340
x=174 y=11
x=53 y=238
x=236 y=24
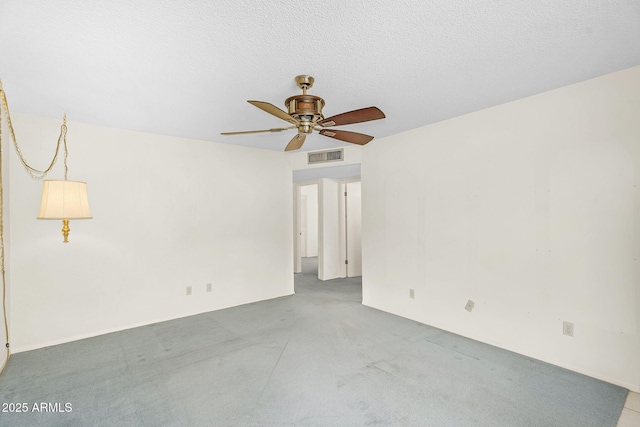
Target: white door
x=353 y=229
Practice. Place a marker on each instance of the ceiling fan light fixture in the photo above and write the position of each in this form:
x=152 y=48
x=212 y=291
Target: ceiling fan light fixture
x=305 y=127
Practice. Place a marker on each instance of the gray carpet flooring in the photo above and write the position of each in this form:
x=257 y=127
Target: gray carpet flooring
x=317 y=358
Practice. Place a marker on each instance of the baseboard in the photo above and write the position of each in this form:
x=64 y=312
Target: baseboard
x=630 y=386
x=22 y=349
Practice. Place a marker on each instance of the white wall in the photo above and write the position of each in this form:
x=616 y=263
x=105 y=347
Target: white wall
x=168 y=213
x=311 y=193
x=530 y=209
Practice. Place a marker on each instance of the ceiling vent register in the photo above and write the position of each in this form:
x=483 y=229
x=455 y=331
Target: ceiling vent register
x=326 y=156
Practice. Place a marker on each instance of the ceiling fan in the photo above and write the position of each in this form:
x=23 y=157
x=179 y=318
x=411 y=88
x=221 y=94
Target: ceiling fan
x=305 y=114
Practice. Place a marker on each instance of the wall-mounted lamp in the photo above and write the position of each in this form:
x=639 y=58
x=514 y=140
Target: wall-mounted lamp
x=64 y=200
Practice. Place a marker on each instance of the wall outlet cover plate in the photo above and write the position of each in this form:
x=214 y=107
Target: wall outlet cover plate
x=567 y=328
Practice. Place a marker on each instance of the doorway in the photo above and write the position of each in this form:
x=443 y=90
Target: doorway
x=308 y=228
x=327 y=227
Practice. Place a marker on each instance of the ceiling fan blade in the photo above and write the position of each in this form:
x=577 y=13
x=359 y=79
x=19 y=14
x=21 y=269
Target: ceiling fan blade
x=296 y=142
x=355 y=116
x=257 y=131
x=346 y=136
x=273 y=110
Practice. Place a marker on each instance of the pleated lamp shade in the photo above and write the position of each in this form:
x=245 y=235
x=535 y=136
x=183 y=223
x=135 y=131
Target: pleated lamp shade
x=64 y=200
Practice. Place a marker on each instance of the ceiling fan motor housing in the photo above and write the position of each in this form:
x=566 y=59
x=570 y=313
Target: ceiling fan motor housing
x=307 y=109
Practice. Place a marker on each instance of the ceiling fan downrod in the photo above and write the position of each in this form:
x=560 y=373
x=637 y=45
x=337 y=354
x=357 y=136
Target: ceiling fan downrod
x=304 y=83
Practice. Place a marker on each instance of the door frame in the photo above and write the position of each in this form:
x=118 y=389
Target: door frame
x=342 y=224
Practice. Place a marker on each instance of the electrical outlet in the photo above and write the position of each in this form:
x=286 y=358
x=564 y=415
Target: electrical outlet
x=567 y=328
x=188 y=290
x=208 y=287
x=412 y=293
x=469 y=306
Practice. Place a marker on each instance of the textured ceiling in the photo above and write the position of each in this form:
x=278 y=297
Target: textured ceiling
x=186 y=68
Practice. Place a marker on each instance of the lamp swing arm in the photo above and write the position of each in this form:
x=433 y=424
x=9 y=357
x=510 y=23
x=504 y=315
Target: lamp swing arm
x=62 y=140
